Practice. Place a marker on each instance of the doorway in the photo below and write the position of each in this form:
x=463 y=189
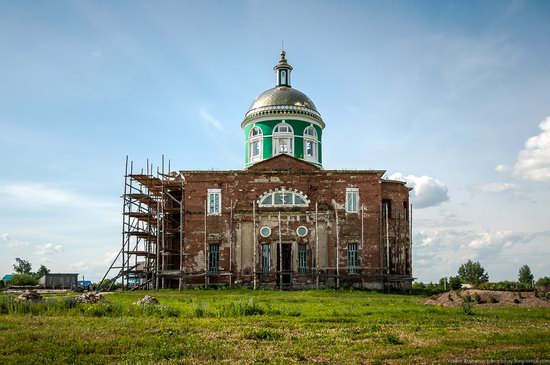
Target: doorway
x=286 y=269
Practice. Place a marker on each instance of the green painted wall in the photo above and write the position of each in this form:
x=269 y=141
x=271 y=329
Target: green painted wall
x=267 y=127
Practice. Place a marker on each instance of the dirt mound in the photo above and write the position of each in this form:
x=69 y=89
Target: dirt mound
x=487 y=298
x=147 y=300
x=88 y=298
x=29 y=296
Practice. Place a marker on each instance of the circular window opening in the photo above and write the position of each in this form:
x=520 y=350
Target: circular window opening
x=301 y=231
x=265 y=231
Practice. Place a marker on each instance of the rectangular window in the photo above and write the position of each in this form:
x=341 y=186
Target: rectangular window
x=352 y=200
x=406 y=208
x=214 y=201
x=302 y=257
x=255 y=149
x=266 y=250
x=214 y=257
x=352 y=258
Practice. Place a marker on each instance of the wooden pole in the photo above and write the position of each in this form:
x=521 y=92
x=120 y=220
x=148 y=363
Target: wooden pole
x=255 y=243
x=205 y=245
x=317 y=245
x=337 y=247
x=280 y=255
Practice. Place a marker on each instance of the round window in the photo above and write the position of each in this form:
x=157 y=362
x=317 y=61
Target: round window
x=301 y=231
x=265 y=231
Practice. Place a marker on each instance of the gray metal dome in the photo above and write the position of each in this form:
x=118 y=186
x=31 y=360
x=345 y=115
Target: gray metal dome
x=282 y=95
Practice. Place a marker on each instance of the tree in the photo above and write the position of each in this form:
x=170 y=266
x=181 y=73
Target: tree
x=525 y=276
x=455 y=283
x=42 y=270
x=22 y=266
x=472 y=272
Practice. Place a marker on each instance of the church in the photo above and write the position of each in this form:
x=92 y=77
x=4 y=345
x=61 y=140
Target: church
x=282 y=222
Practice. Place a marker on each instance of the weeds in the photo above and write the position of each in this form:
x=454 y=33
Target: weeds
x=466 y=306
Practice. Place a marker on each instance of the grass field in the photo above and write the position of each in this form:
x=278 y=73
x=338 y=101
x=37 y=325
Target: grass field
x=243 y=326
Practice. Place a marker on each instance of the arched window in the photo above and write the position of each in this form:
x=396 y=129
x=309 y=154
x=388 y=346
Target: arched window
x=255 y=144
x=283 y=139
x=310 y=144
x=283 y=198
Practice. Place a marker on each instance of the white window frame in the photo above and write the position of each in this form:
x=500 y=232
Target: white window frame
x=352 y=200
x=279 y=137
x=284 y=193
x=258 y=138
x=212 y=209
x=311 y=138
x=353 y=258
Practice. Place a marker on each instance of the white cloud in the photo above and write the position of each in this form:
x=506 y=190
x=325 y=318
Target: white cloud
x=35 y=194
x=440 y=251
x=497 y=187
x=502 y=168
x=103 y=263
x=499 y=240
x=207 y=117
x=427 y=191
x=8 y=242
x=48 y=249
x=81 y=265
x=533 y=161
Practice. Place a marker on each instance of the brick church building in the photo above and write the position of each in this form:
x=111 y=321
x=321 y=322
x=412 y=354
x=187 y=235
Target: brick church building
x=281 y=222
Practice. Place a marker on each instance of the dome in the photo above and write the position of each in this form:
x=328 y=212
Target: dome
x=282 y=95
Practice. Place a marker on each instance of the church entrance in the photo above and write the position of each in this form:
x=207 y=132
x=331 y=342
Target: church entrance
x=286 y=269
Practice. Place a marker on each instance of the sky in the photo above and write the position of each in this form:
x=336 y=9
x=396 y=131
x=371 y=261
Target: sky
x=451 y=96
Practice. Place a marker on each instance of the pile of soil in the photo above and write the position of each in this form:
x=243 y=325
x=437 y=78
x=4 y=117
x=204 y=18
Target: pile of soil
x=487 y=298
x=29 y=296
x=89 y=298
x=147 y=300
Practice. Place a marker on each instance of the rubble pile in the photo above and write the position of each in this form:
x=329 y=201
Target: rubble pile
x=147 y=300
x=29 y=296
x=89 y=298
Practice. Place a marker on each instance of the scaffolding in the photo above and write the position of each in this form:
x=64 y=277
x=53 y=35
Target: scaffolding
x=151 y=256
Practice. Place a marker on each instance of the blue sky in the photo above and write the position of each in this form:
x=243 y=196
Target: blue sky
x=450 y=96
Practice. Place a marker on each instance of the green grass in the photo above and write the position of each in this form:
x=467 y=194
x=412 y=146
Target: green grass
x=244 y=326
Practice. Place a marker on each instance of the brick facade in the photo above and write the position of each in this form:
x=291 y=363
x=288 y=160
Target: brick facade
x=330 y=229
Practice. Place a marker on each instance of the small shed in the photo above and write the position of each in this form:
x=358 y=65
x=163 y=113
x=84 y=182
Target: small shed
x=59 y=281
x=7 y=277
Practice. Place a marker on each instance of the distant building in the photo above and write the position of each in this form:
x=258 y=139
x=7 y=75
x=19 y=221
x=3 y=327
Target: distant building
x=283 y=221
x=59 y=281
x=7 y=277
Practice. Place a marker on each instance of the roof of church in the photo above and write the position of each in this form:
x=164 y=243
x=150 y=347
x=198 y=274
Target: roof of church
x=282 y=95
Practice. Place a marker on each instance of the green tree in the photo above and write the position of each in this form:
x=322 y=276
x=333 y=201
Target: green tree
x=472 y=272
x=23 y=279
x=455 y=283
x=544 y=281
x=525 y=276
x=22 y=266
x=42 y=270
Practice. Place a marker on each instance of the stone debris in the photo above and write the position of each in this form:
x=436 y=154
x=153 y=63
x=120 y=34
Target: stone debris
x=89 y=298
x=147 y=300
x=29 y=296
x=487 y=298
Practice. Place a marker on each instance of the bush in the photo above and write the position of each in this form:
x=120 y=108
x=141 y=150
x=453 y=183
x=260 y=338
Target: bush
x=544 y=281
x=505 y=285
x=455 y=283
x=23 y=279
x=466 y=306
x=477 y=299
